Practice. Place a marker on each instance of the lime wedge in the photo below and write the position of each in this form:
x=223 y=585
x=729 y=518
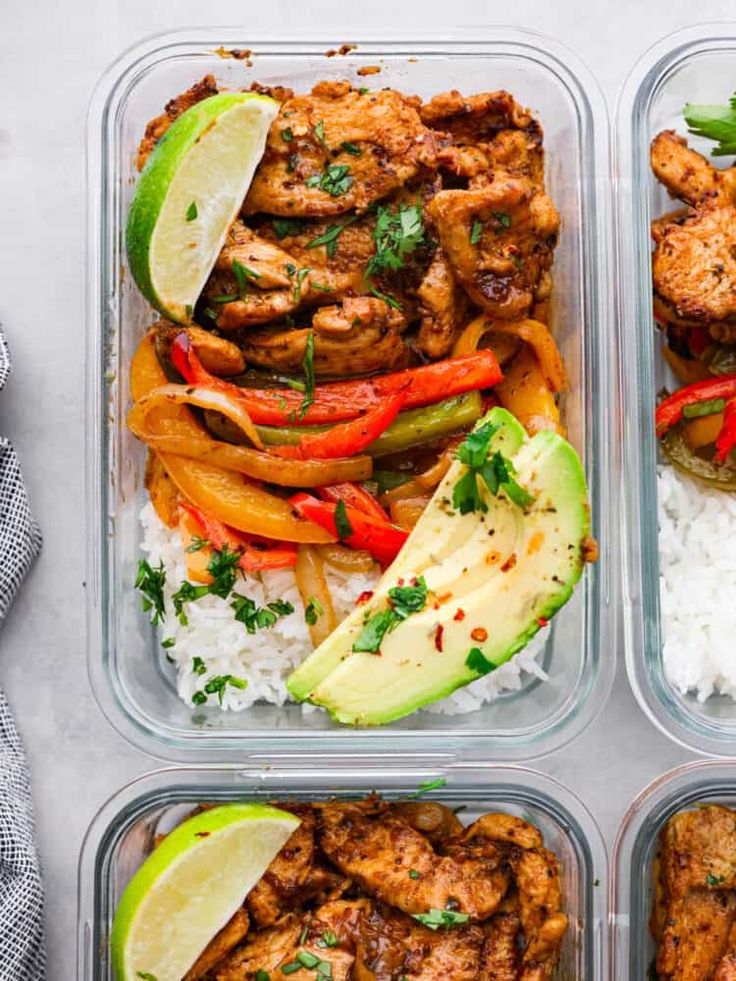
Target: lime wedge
x=189 y=193
x=191 y=885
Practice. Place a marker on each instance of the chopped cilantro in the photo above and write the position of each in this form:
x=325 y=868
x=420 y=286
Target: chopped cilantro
x=291 y=967
x=146 y=976
x=199 y=698
x=328 y=939
x=437 y=918
x=714 y=122
x=502 y=219
x=192 y=211
x=243 y=275
x=334 y=180
x=319 y=132
x=292 y=162
x=476 y=232
x=169 y=642
x=198 y=665
x=388 y=300
x=223 y=568
x=478 y=662
x=397 y=234
x=374 y=630
x=150 y=582
x=258 y=618
x=307 y=958
x=308 y=369
x=329 y=237
x=313 y=610
x=714 y=880
x=351 y=148
x=406 y=600
x=342 y=522
x=300 y=276
x=262 y=975
x=428 y=785
x=287 y=134
x=413 y=874
x=187 y=593
x=198 y=543
x=218 y=684
x=497 y=473
x=287 y=226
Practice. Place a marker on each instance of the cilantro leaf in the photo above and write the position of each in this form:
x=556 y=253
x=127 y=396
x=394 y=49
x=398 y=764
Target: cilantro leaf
x=313 y=610
x=342 y=522
x=397 y=234
x=478 y=662
x=406 y=600
x=334 y=180
x=374 y=630
x=308 y=369
x=330 y=236
x=223 y=567
x=150 y=582
x=192 y=211
x=218 y=684
x=717 y=123
x=475 y=232
x=287 y=226
x=437 y=918
x=428 y=785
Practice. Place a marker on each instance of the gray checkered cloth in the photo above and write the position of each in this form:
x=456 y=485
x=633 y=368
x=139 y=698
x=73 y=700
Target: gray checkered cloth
x=22 y=953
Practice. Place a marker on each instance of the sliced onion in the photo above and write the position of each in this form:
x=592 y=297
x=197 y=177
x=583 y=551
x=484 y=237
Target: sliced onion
x=347 y=559
x=204 y=398
x=534 y=333
x=312 y=585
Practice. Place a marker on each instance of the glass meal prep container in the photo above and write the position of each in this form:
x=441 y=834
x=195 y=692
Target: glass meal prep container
x=695 y=65
x=129 y=674
x=123 y=832
x=632 y=881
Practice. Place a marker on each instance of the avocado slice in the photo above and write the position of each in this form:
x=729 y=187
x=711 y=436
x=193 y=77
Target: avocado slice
x=492 y=577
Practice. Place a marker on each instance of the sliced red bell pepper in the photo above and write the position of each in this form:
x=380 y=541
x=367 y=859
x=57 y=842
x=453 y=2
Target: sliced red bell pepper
x=346 y=438
x=337 y=401
x=255 y=555
x=354 y=496
x=726 y=439
x=382 y=539
x=669 y=411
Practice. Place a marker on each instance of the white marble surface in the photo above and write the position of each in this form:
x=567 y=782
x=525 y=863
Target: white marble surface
x=50 y=56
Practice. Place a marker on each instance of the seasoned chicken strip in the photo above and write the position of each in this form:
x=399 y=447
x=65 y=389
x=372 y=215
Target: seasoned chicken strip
x=699 y=850
x=499 y=241
x=218 y=355
x=254 y=281
x=539 y=882
x=262 y=951
x=687 y=174
x=395 y=946
x=359 y=337
x=695 y=935
x=395 y=863
x=295 y=876
x=443 y=307
x=500 y=954
x=202 y=89
x=336 y=150
x=220 y=946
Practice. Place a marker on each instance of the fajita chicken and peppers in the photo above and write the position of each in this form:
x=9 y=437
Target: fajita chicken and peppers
x=361 y=494
x=368 y=889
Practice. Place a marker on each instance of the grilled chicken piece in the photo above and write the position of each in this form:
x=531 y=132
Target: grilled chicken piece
x=499 y=241
x=362 y=147
x=699 y=850
x=500 y=954
x=359 y=337
x=694 y=261
x=504 y=827
x=295 y=876
x=490 y=131
x=379 y=854
x=220 y=946
x=539 y=882
x=695 y=935
x=726 y=970
x=332 y=935
x=394 y=946
x=218 y=355
x=443 y=307
x=158 y=126
x=262 y=951
x=254 y=281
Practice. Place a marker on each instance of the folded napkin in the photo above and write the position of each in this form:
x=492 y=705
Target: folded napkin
x=22 y=953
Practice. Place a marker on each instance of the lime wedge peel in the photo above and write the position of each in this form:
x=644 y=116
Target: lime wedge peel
x=191 y=885
x=188 y=194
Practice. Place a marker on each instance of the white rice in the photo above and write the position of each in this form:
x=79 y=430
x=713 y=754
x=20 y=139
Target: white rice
x=697 y=560
x=266 y=658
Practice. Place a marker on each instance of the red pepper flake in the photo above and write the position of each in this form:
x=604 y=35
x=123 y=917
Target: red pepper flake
x=542 y=621
x=364 y=596
x=438 y=637
x=460 y=615
x=509 y=563
x=400 y=581
x=479 y=634
x=435 y=605
x=413 y=581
